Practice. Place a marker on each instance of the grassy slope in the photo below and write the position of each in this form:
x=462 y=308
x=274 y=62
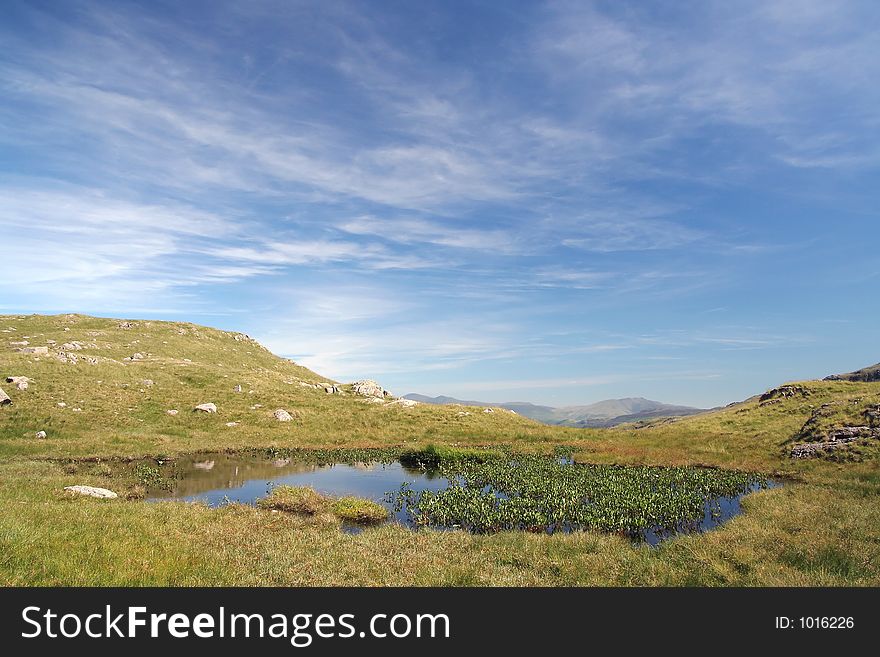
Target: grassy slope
x=821 y=528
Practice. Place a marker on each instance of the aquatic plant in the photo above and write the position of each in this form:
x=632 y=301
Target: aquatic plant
x=539 y=493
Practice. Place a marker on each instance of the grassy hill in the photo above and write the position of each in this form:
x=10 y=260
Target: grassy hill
x=822 y=527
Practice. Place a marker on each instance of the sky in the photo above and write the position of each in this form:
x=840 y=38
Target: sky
x=550 y=202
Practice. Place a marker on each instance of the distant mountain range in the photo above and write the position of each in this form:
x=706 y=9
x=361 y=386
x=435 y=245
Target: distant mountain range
x=606 y=413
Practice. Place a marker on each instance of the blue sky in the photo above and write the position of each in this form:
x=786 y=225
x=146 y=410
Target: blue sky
x=556 y=203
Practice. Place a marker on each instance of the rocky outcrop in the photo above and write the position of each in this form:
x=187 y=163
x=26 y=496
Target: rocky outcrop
x=92 y=491
x=837 y=438
x=282 y=416
x=866 y=374
x=369 y=388
x=783 y=392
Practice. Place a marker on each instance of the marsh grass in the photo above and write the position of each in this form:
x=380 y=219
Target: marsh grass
x=294 y=499
x=359 y=510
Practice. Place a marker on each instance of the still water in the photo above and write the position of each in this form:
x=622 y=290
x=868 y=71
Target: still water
x=220 y=478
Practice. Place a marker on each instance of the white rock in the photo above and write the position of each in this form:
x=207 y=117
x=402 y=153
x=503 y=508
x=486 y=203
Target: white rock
x=282 y=416
x=236 y=388
x=137 y=356
x=34 y=350
x=488 y=410
x=206 y=408
x=232 y=424
x=406 y=403
x=462 y=413
x=172 y=411
x=61 y=405
x=147 y=382
x=41 y=434
x=92 y=491
x=369 y=388
x=4 y=398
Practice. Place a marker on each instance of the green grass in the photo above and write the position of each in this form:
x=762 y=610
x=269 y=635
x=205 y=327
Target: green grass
x=294 y=499
x=359 y=510
x=821 y=528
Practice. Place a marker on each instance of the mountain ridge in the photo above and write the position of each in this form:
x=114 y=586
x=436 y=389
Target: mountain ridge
x=605 y=413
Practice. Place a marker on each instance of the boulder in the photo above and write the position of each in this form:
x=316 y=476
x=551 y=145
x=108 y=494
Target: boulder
x=40 y=434
x=369 y=388
x=4 y=398
x=282 y=416
x=206 y=408
x=406 y=403
x=61 y=405
x=92 y=491
x=137 y=356
x=172 y=411
x=20 y=382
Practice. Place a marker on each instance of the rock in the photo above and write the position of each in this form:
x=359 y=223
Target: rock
x=4 y=398
x=41 y=434
x=785 y=391
x=34 y=350
x=374 y=400
x=92 y=491
x=282 y=416
x=172 y=411
x=125 y=325
x=61 y=405
x=20 y=382
x=256 y=406
x=232 y=424
x=406 y=403
x=236 y=388
x=462 y=413
x=137 y=356
x=147 y=382
x=488 y=410
x=329 y=388
x=206 y=408
x=837 y=438
x=71 y=346
x=20 y=343
x=369 y=388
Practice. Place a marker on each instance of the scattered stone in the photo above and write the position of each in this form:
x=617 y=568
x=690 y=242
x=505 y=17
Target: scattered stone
x=236 y=388
x=125 y=325
x=76 y=410
x=172 y=411
x=147 y=382
x=71 y=346
x=20 y=343
x=4 y=398
x=41 y=434
x=92 y=491
x=206 y=408
x=369 y=388
x=232 y=424
x=282 y=416
x=34 y=350
x=61 y=405
x=137 y=356
x=256 y=406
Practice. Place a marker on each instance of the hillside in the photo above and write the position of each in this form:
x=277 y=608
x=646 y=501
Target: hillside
x=871 y=373
x=108 y=386
x=607 y=413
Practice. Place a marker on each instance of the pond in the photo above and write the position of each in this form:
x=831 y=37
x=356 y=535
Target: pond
x=530 y=493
